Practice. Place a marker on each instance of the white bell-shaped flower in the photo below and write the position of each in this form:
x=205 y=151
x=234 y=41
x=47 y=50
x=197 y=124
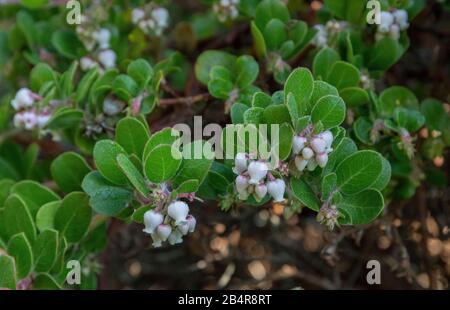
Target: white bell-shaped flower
x=192 y=222
x=241 y=183
x=312 y=164
x=328 y=137
x=260 y=191
x=137 y=15
x=164 y=231
x=386 y=21
x=24 y=98
x=276 y=189
x=19 y=120
x=178 y=210
x=183 y=227
x=401 y=18
x=257 y=171
x=42 y=119
x=240 y=163
x=307 y=153
x=107 y=58
x=322 y=159
x=161 y=17
x=30 y=120
x=103 y=36
x=157 y=241
x=300 y=163
x=298 y=143
x=175 y=237
x=152 y=219
x=318 y=145
x=87 y=63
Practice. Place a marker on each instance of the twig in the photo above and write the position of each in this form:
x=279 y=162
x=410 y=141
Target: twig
x=185 y=100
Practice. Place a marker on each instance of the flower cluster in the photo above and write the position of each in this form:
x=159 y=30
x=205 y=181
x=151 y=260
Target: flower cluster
x=28 y=114
x=391 y=24
x=312 y=150
x=328 y=32
x=97 y=42
x=226 y=10
x=169 y=224
x=151 y=19
x=254 y=178
x=328 y=216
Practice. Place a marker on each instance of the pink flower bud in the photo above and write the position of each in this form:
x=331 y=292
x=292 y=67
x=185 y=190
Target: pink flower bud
x=241 y=183
x=298 y=143
x=260 y=191
x=178 y=210
x=300 y=163
x=152 y=219
x=258 y=171
x=307 y=153
x=192 y=222
x=276 y=189
x=318 y=145
x=322 y=159
x=164 y=231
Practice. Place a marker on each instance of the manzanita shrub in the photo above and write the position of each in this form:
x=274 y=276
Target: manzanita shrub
x=313 y=122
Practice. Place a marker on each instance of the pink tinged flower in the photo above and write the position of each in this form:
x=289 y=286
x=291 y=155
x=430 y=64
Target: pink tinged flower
x=240 y=163
x=42 y=119
x=164 y=231
x=298 y=143
x=276 y=189
x=258 y=171
x=30 y=120
x=307 y=153
x=183 y=227
x=157 y=242
x=322 y=159
x=312 y=164
x=178 y=210
x=328 y=137
x=260 y=191
x=24 y=97
x=300 y=163
x=192 y=222
x=175 y=237
x=152 y=220
x=241 y=183
x=107 y=58
x=318 y=145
